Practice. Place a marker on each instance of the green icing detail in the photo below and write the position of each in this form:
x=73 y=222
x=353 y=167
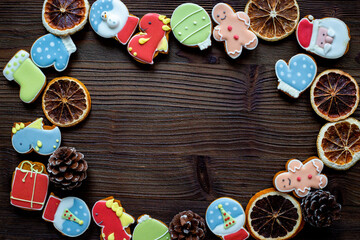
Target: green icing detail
x=151 y=229
x=15 y=64
x=23 y=54
x=17 y=56
x=12 y=70
x=20 y=61
x=31 y=80
x=37 y=148
x=9 y=65
x=7 y=72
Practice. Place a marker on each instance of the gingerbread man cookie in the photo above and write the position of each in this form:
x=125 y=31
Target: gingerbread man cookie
x=301 y=177
x=233 y=29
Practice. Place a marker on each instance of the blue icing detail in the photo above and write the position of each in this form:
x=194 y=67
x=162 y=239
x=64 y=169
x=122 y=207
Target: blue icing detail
x=299 y=73
x=81 y=211
x=50 y=50
x=213 y=214
x=95 y=12
x=26 y=139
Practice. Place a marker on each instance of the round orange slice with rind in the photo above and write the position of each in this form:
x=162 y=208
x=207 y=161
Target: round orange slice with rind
x=65 y=17
x=338 y=144
x=334 y=95
x=273 y=215
x=273 y=20
x=66 y=101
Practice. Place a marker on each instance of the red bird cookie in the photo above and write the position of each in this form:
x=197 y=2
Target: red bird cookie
x=152 y=38
x=233 y=29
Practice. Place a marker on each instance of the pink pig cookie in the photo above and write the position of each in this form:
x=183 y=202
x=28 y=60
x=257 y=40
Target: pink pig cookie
x=301 y=177
x=233 y=28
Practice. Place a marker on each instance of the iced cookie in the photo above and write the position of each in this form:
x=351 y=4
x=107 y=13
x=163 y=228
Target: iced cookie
x=152 y=39
x=50 y=50
x=233 y=29
x=150 y=229
x=295 y=77
x=191 y=25
x=326 y=37
x=30 y=78
x=112 y=218
x=70 y=215
x=225 y=217
x=65 y=17
x=111 y=19
x=29 y=186
x=301 y=177
x=30 y=136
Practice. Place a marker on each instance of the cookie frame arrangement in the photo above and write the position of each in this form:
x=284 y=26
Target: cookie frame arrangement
x=271 y=213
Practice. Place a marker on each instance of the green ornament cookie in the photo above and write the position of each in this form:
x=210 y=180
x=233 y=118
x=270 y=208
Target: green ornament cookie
x=191 y=25
x=150 y=229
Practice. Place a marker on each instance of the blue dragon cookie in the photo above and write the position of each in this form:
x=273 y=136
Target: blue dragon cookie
x=27 y=137
x=50 y=50
x=295 y=77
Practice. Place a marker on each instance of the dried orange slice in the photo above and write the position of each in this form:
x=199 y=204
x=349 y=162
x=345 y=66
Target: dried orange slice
x=273 y=215
x=273 y=20
x=65 y=17
x=334 y=95
x=66 y=101
x=338 y=144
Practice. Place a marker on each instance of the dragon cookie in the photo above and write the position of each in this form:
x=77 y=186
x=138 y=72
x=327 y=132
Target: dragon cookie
x=112 y=218
x=301 y=177
x=233 y=29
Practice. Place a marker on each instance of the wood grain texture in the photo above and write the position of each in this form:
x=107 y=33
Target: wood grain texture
x=174 y=136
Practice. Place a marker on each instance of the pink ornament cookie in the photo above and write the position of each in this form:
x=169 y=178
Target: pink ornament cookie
x=301 y=177
x=233 y=30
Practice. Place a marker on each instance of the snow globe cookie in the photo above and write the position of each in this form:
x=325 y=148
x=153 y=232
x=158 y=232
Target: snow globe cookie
x=70 y=215
x=27 y=137
x=326 y=37
x=191 y=25
x=297 y=75
x=111 y=19
x=50 y=50
x=225 y=217
x=25 y=73
x=150 y=229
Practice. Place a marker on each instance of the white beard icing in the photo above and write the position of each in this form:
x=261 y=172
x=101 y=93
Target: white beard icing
x=239 y=223
x=340 y=33
x=120 y=10
x=66 y=203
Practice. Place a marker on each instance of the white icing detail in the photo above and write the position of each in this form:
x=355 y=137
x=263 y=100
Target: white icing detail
x=293 y=82
x=289 y=75
x=143 y=218
x=52 y=44
x=173 y=28
x=46 y=49
x=65 y=203
x=235 y=208
x=219 y=217
x=295 y=63
x=39 y=50
x=281 y=66
x=48 y=56
x=239 y=223
x=69 y=44
x=304 y=66
x=68 y=229
x=227 y=204
x=331 y=33
x=298 y=74
x=303 y=82
x=9 y=76
x=282 y=73
x=211 y=212
x=194 y=22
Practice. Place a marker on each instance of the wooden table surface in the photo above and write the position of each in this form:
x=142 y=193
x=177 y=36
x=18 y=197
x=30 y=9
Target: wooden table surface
x=174 y=136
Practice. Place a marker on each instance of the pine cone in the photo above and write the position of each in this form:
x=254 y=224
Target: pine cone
x=187 y=225
x=320 y=208
x=67 y=168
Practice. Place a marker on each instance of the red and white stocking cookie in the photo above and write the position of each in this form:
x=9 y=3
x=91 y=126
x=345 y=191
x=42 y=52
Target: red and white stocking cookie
x=233 y=29
x=301 y=177
x=152 y=39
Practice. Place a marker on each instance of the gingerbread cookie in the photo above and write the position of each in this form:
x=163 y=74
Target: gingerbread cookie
x=70 y=215
x=295 y=77
x=50 y=50
x=152 y=39
x=233 y=30
x=326 y=37
x=111 y=19
x=225 y=217
x=30 y=136
x=25 y=73
x=112 y=218
x=150 y=229
x=301 y=177
x=191 y=25
x=29 y=186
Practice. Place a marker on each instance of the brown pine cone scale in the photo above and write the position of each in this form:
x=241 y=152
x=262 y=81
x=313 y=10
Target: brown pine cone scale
x=67 y=168
x=187 y=225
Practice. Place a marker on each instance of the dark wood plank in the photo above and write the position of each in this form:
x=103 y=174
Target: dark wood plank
x=176 y=135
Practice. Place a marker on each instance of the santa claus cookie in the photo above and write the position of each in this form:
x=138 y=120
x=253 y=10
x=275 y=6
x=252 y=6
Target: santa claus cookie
x=326 y=37
x=111 y=19
x=112 y=218
x=301 y=177
x=233 y=30
x=225 y=217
